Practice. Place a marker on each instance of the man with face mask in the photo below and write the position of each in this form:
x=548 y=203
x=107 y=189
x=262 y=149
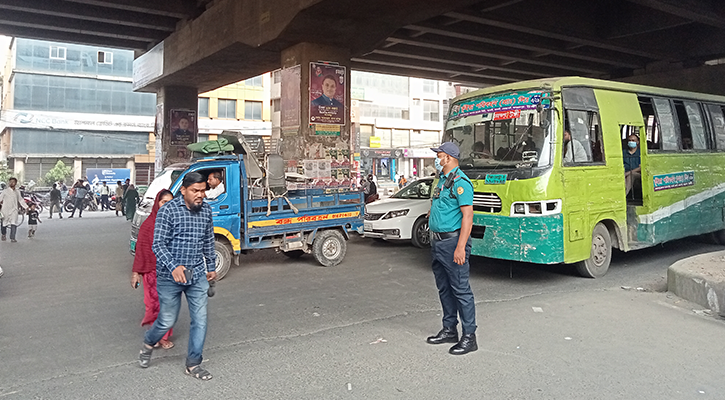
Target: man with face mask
x=11 y=201
x=632 y=160
x=183 y=240
x=451 y=220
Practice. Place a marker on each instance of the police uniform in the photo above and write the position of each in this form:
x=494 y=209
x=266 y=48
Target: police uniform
x=445 y=224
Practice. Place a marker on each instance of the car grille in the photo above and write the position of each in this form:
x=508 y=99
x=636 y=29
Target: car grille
x=486 y=202
x=373 y=217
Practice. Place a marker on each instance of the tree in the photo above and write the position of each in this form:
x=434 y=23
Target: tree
x=5 y=173
x=57 y=173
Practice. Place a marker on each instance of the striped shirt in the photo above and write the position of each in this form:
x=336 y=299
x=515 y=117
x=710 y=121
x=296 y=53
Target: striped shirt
x=184 y=237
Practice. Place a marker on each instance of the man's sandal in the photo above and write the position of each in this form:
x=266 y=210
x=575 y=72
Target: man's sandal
x=144 y=356
x=198 y=372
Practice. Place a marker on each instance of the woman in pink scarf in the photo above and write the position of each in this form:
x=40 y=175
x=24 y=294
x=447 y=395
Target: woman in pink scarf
x=144 y=267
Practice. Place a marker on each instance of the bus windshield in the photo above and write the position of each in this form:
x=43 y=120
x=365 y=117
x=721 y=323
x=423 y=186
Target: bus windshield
x=519 y=138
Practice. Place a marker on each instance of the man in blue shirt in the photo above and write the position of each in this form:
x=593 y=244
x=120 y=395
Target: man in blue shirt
x=632 y=161
x=329 y=89
x=451 y=220
x=183 y=240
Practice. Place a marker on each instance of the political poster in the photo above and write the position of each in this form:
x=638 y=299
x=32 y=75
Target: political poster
x=327 y=94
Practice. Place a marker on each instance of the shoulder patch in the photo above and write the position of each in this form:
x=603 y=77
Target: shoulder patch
x=460 y=190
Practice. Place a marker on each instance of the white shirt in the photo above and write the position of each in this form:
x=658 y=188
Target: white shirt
x=578 y=155
x=213 y=193
x=12 y=201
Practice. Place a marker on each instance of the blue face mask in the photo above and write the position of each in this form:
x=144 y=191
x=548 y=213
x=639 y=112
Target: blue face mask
x=632 y=145
x=439 y=167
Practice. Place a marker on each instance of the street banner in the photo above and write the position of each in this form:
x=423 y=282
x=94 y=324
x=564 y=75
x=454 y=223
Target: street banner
x=97 y=176
x=327 y=94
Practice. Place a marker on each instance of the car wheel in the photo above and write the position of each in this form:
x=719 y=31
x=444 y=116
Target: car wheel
x=421 y=233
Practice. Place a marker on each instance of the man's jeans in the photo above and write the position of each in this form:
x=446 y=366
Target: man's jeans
x=77 y=205
x=104 y=202
x=453 y=287
x=54 y=205
x=170 y=299
x=4 y=230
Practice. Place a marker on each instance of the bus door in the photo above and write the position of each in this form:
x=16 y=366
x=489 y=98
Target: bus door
x=591 y=186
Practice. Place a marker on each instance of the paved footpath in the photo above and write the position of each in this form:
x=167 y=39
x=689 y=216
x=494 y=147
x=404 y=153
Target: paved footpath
x=288 y=329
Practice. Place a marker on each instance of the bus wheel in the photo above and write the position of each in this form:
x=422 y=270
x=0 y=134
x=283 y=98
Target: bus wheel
x=223 y=258
x=329 y=247
x=597 y=264
x=421 y=233
x=719 y=237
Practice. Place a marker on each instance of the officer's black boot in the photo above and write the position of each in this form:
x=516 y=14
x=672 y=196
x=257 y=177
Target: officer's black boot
x=446 y=335
x=466 y=345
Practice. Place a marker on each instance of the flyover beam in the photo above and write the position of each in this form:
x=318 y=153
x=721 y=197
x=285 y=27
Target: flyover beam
x=697 y=11
x=171 y=8
x=71 y=37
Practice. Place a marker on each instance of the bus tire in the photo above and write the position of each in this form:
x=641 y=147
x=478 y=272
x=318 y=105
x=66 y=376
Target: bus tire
x=421 y=233
x=597 y=264
x=223 y=258
x=294 y=253
x=329 y=247
x=719 y=237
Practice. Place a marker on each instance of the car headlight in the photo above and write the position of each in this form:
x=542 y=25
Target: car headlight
x=395 y=214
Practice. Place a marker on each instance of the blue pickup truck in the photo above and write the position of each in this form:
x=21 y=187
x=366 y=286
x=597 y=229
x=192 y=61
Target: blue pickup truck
x=249 y=215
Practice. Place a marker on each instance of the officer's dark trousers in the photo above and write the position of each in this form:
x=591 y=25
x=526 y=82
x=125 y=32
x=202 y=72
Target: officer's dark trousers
x=453 y=287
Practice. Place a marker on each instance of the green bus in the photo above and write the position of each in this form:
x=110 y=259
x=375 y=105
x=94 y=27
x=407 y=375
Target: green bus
x=547 y=161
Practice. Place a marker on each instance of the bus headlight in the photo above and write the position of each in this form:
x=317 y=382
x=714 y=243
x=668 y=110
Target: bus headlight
x=536 y=208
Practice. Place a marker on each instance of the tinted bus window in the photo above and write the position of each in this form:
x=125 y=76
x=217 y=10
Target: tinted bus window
x=667 y=124
x=718 y=125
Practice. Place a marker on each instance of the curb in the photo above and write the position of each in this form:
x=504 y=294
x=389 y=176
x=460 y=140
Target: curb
x=700 y=279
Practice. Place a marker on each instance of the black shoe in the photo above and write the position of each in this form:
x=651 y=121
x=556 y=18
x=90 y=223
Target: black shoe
x=446 y=335
x=466 y=345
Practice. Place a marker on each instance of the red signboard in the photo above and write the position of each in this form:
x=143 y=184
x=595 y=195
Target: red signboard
x=512 y=114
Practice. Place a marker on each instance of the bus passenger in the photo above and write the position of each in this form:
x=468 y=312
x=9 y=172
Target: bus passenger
x=578 y=154
x=216 y=185
x=632 y=167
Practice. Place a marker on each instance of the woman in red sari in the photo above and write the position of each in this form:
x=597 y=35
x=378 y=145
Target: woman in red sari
x=144 y=267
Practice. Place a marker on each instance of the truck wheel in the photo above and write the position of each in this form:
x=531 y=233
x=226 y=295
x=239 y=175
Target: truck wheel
x=223 y=258
x=597 y=264
x=294 y=253
x=329 y=247
x=421 y=233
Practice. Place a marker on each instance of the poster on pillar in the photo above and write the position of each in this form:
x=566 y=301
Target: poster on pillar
x=327 y=94
x=182 y=127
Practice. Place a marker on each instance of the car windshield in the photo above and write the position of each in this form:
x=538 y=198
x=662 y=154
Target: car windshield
x=416 y=190
x=512 y=138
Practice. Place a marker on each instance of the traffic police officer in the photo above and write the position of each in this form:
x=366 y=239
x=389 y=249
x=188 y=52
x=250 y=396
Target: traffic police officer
x=451 y=219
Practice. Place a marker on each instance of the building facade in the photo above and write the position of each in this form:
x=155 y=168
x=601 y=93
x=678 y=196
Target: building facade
x=75 y=103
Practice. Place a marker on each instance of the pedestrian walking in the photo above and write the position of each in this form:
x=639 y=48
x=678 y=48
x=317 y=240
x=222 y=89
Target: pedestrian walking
x=55 y=196
x=450 y=222
x=119 y=198
x=78 y=198
x=131 y=199
x=105 y=192
x=11 y=201
x=185 y=263
x=144 y=267
x=33 y=219
x=125 y=189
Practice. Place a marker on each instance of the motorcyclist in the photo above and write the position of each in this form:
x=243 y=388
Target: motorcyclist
x=372 y=190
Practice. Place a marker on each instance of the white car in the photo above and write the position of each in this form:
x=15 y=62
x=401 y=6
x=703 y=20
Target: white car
x=402 y=216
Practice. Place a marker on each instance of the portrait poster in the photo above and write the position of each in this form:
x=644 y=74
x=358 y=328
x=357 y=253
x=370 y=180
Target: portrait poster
x=291 y=99
x=327 y=94
x=182 y=127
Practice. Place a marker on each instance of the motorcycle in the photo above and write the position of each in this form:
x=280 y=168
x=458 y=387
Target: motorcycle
x=89 y=203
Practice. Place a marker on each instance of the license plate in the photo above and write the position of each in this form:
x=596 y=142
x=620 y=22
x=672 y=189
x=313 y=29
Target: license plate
x=133 y=245
x=368 y=227
x=495 y=179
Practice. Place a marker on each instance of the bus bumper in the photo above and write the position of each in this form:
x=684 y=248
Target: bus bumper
x=537 y=240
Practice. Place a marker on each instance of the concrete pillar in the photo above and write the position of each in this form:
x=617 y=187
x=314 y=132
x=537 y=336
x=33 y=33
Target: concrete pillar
x=77 y=169
x=131 y=164
x=19 y=170
x=175 y=103
x=309 y=142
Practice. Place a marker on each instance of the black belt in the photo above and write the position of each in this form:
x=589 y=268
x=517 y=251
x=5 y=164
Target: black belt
x=445 y=235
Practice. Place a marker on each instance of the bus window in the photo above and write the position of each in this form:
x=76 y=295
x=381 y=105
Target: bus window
x=667 y=124
x=652 y=129
x=684 y=125
x=718 y=125
x=697 y=126
x=582 y=138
